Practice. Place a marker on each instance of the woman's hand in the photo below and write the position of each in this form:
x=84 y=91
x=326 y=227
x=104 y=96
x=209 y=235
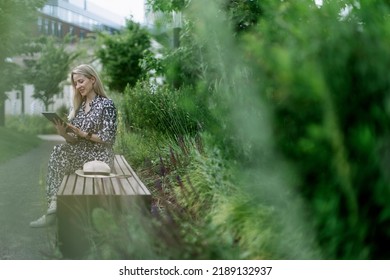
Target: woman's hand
x=77 y=131
x=60 y=127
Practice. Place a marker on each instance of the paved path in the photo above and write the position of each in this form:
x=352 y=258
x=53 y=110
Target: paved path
x=22 y=199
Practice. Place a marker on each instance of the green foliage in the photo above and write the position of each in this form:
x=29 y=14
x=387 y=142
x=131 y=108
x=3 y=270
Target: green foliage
x=181 y=204
x=306 y=72
x=295 y=116
x=126 y=237
x=243 y=13
x=121 y=55
x=16 y=21
x=158 y=110
x=167 y=5
x=249 y=228
x=14 y=143
x=30 y=124
x=136 y=146
x=319 y=72
x=10 y=77
x=184 y=65
x=50 y=69
x=194 y=195
x=17 y=17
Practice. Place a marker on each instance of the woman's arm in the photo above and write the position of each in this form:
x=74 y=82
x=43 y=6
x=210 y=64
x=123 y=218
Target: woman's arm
x=70 y=138
x=107 y=133
x=86 y=135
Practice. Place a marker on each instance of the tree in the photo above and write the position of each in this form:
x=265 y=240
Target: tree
x=244 y=14
x=9 y=80
x=167 y=5
x=16 y=19
x=50 y=69
x=121 y=54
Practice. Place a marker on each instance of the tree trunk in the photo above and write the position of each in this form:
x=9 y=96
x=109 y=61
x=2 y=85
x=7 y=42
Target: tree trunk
x=2 y=112
x=22 y=100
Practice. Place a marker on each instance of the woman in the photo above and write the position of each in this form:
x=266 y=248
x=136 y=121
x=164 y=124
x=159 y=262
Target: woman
x=92 y=122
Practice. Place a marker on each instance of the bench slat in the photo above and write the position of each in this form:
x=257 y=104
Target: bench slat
x=127 y=187
x=88 y=186
x=63 y=184
x=79 y=185
x=70 y=183
x=100 y=186
x=134 y=180
x=136 y=187
x=117 y=187
x=123 y=168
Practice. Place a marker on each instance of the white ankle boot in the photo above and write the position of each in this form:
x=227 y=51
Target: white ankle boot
x=44 y=221
x=52 y=207
x=48 y=219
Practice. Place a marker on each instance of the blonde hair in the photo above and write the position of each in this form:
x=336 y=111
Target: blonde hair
x=89 y=72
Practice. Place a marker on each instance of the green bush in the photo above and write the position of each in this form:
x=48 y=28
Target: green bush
x=158 y=110
x=30 y=124
x=121 y=54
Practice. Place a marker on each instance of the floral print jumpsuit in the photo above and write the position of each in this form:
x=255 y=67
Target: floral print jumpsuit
x=66 y=158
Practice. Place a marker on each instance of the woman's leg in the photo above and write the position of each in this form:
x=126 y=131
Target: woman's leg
x=59 y=164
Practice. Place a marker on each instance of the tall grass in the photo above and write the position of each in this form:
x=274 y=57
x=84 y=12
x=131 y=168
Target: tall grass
x=159 y=109
x=30 y=124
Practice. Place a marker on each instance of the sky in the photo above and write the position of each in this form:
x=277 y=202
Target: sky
x=124 y=8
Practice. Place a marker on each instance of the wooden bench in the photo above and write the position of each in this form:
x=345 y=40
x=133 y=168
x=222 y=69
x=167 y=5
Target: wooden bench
x=78 y=196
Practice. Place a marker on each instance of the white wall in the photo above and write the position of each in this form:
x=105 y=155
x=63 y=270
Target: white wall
x=13 y=105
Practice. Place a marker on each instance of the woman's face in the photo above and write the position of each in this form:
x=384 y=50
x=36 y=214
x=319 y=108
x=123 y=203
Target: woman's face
x=83 y=85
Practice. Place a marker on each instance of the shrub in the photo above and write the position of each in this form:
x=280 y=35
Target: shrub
x=158 y=110
x=30 y=124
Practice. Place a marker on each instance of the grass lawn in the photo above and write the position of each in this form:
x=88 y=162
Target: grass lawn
x=14 y=143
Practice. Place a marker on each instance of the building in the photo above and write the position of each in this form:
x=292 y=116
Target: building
x=59 y=18
x=78 y=18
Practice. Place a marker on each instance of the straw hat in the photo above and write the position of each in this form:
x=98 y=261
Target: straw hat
x=95 y=169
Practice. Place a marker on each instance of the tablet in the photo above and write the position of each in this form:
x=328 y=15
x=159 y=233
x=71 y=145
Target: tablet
x=51 y=116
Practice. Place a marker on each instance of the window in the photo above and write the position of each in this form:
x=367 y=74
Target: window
x=59 y=29
x=40 y=24
x=46 y=26
x=53 y=28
